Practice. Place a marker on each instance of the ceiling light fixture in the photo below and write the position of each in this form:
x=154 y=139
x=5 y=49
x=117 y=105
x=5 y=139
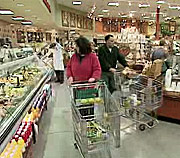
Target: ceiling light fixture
x=20 y=5
x=146 y=17
x=17 y=18
x=144 y=5
x=6 y=12
x=105 y=10
x=123 y=16
x=100 y=15
x=27 y=10
x=160 y=1
x=113 y=4
x=26 y=22
x=76 y=2
x=174 y=7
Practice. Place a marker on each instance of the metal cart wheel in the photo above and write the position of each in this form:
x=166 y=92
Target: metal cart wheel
x=151 y=123
x=142 y=127
x=75 y=146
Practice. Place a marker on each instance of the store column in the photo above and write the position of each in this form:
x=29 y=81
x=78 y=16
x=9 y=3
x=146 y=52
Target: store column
x=94 y=25
x=157 y=23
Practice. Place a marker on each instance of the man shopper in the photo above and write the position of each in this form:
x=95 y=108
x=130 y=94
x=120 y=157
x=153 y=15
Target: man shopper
x=108 y=57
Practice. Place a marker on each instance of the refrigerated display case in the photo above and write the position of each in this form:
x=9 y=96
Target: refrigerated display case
x=20 y=82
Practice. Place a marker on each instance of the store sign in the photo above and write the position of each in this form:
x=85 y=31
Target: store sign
x=47 y=5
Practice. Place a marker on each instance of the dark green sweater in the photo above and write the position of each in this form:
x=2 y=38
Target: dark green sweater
x=109 y=59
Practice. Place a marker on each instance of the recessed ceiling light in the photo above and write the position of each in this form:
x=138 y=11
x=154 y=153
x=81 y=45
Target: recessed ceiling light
x=105 y=10
x=6 y=12
x=160 y=2
x=18 y=18
x=144 y=5
x=26 y=22
x=100 y=15
x=20 y=5
x=27 y=10
x=113 y=4
x=76 y=2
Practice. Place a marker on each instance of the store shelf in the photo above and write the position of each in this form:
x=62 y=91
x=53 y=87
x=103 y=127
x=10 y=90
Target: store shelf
x=9 y=127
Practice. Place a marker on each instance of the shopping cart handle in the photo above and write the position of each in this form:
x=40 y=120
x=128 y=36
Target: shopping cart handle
x=86 y=82
x=79 y=82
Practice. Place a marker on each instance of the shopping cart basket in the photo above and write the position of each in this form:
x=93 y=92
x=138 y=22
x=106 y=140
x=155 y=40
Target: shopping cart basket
x=139 y=98
x=96 y=118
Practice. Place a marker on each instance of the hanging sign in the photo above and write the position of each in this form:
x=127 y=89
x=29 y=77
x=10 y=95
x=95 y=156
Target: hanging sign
x=47 y=5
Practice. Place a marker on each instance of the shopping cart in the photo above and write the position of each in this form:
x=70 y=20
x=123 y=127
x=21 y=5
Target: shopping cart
x=139 y=98
x=96 y=119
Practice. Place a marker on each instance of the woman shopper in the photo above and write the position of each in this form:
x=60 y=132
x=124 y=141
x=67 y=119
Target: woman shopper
x=83 y=65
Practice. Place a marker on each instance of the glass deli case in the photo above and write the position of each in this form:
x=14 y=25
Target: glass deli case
x=20 y=81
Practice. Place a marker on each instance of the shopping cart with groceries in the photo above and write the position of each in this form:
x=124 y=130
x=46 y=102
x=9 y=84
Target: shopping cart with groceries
x=139 y=97
x=96 y=119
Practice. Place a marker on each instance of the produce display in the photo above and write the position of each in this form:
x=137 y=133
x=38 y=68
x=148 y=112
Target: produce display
x=95 y=132
x=15 y=87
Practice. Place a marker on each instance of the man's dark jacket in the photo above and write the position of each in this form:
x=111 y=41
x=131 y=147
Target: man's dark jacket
x=109 y=59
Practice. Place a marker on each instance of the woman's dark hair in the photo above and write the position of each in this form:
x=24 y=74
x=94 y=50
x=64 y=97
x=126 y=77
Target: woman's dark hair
x=84 y=45
x=108 y=37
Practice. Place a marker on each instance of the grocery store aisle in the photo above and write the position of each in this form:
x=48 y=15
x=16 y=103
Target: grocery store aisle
x=56 y=135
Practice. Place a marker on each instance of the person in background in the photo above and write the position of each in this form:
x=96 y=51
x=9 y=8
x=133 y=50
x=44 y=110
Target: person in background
x=58 y=64
x=161 y=53
x=108 y=56
x=83 y=65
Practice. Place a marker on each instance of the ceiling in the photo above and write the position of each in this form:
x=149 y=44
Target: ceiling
x=32 y=10
x=123 y=7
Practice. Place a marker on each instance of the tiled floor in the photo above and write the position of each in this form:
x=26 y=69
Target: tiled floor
x=56 y=135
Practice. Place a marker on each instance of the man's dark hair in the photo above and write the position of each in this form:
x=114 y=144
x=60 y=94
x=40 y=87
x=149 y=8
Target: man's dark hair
x=84 y=45
x=108 y=37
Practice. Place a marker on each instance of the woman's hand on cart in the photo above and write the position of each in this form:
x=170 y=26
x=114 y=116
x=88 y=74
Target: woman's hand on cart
x=92 y=80
x=70 y=80
x=113 y=70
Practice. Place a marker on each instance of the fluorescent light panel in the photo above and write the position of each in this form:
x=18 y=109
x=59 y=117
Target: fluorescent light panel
x=160 y=2
x=26 y=22
x=100 y=15
x=18 y=18
x=20 y=5
x=174 y=7
x=27 y=10
x=76 y=2
x=6 y=12
x=144 y=5
x=113 y=4
x=105 y=10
